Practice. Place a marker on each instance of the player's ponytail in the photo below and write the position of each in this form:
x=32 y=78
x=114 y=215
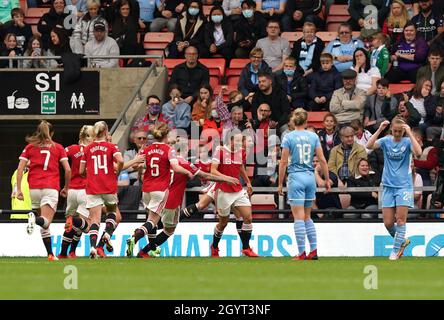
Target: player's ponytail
x=100 y=129
x=43 y=134
x=299 y=117
x=160 y=131
x=86 y=134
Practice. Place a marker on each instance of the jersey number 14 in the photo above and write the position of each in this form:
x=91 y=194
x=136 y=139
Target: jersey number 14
x=100 y=163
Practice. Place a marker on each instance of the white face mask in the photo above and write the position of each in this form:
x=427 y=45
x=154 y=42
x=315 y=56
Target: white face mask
x=214 y=113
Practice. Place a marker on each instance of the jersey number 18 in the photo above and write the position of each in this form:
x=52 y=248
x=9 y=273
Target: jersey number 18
x=304 y=153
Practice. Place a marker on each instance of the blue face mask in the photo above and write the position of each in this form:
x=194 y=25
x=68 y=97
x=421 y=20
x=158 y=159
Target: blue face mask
x=289 y=73
x=248 y=13
x=217 y=18
x=193 y=11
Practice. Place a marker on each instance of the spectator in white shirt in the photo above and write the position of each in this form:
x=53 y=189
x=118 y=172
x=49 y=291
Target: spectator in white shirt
x=367 y=76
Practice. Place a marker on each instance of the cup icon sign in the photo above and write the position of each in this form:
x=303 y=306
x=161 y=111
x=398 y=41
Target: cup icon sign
x=11 y=100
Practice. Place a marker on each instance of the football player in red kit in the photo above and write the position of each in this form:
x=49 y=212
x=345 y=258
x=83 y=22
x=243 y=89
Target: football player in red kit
x=76 y=212
x=229 y=160
x=159 y=159
x=101 y=182
x=170 y=213
x=44 y=156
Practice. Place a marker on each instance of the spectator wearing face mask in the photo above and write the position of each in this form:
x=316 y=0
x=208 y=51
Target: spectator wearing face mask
x=249 y=29
x=152 y=117
x=219 y=34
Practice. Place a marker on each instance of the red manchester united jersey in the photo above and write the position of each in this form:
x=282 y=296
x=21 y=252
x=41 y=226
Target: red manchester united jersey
x=157 y=175
x=75 y=154
x=205 y=167
x=229 y=165
x=100 y=175
x=44 y=165
x=177 y=188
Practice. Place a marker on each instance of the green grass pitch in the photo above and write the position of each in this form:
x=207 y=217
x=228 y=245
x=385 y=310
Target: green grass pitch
x=224 y=278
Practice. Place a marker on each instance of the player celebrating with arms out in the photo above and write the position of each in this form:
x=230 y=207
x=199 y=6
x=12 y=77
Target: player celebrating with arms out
x=44 y=156
x=101 y=182
x=397 y=182
x=301 y=145
x=229 y=160
x=159 y=159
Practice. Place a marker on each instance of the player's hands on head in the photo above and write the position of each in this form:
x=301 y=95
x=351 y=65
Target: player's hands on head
x=384 y=124
x=407 y=128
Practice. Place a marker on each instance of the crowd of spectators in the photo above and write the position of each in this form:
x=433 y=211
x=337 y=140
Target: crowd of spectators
x=348 y=78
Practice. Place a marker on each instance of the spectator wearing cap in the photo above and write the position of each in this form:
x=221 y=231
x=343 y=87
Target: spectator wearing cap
x=190 y=75
x=84 y=28
x=347 y=103
x=343 y=47
x=100 y=45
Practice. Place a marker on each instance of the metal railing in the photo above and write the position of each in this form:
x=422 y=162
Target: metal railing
x=88 y=58
x=136 y=93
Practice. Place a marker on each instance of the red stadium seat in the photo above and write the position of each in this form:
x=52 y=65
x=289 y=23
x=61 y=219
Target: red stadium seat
x=232 y=80
x=171 y=63
x=338 y=10
x=292 y=37
x=263 y=202
x=316 y=118
x=396 y=88
x=327 y=36
x=238 y=63
x=155 y=43
x=214 y=64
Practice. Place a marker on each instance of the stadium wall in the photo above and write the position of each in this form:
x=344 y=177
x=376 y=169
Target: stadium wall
x=269 y=239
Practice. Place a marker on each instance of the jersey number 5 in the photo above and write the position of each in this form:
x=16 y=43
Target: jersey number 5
x=154 y=167
x=100 y=163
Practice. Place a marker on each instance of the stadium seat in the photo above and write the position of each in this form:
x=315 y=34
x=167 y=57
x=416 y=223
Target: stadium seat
x=333 y=22
x=248 y=115
x=316 y=118
x=33 y=15
x=238 y=63
x=232 y=80
x=396 y=88
x=338 y=10
x=171 y=63
x=327 y=36
x=292 y=37
x=157 y=40
x=216 y=66
x=234 y=71
x=263 y=202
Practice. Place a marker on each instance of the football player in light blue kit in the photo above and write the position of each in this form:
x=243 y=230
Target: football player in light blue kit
x=397 y=182
x=301 y=145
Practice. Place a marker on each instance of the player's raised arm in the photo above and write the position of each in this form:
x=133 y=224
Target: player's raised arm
x=283 y=163
x=371 y=144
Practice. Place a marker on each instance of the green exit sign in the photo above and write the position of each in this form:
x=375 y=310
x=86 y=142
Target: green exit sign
x=48 y=102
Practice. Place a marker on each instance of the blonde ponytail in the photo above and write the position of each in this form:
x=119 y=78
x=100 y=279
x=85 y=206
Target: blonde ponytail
x=43 y=134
